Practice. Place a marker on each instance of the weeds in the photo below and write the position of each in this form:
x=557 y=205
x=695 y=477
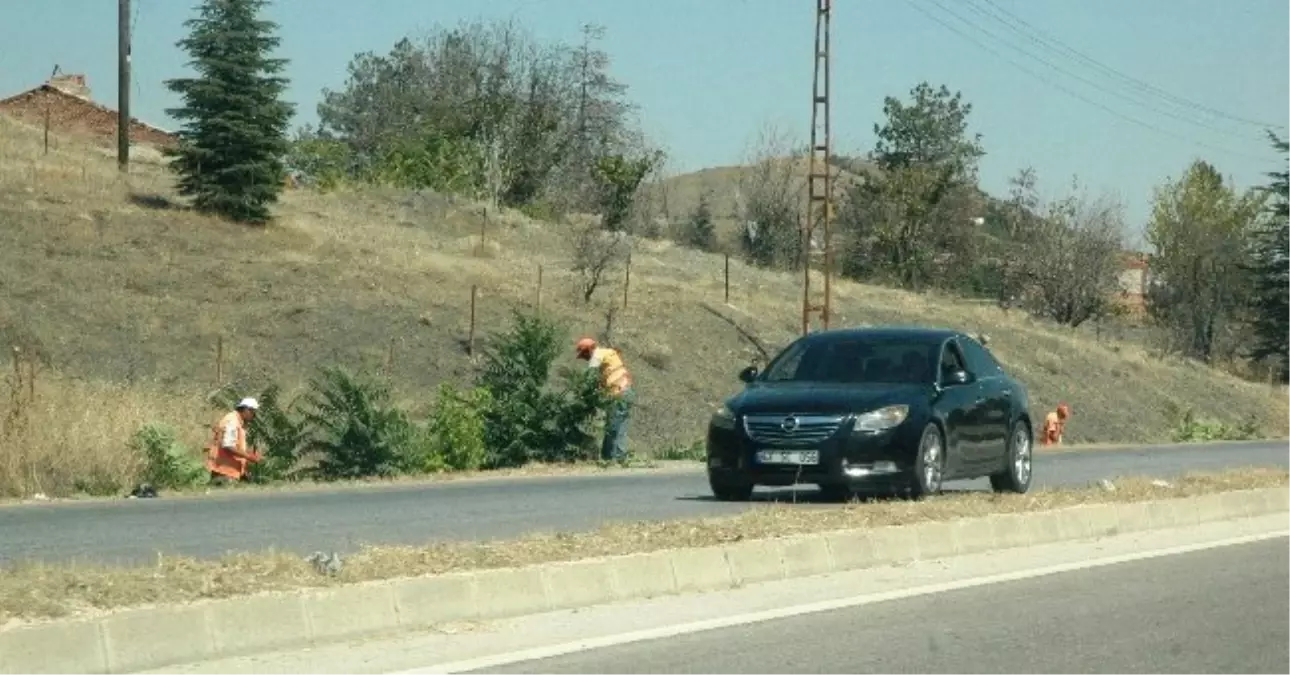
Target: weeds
x=167 y=462
x=693 y=452
x=457 y=430
x=1193 y=429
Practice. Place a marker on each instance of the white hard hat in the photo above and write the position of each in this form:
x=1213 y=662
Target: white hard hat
x=248 y=402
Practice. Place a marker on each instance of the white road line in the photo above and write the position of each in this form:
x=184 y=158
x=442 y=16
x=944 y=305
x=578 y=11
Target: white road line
x=550 y=651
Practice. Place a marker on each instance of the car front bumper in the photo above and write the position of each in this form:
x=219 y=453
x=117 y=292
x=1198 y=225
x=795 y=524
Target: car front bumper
x=856 y=460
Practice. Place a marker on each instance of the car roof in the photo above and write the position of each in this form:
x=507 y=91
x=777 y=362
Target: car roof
x=915 y=333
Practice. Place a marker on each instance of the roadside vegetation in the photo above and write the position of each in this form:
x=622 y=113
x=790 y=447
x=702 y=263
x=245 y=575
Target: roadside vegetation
x=407 y=307
x=37 y=591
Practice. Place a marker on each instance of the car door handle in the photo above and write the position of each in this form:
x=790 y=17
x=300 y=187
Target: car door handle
x=1007 y=393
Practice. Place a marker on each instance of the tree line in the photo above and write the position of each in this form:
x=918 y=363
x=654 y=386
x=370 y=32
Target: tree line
x=484 y=110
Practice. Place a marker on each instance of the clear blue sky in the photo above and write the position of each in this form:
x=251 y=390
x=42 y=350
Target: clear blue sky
x=709 y=73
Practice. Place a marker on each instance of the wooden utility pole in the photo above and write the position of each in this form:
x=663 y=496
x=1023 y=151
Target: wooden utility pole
x=819 y=185
x=123 y=86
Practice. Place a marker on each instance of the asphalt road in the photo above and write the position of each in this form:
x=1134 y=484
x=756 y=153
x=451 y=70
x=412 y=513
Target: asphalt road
x=1220 y=610
x=129 y=531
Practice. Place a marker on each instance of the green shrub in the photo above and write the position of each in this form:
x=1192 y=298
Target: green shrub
x=1192 y=429
x=167 y=463
x=356 y=430
x=278 y=431
x=457 y=430
x=577 y=427
x=528 y=419
x=693 y=452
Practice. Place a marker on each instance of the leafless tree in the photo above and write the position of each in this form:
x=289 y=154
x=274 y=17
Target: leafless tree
x=1073 y=259
x=771 y=198
x=595 y=253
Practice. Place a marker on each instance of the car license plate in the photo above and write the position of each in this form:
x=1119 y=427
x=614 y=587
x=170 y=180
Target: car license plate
x=789 y=456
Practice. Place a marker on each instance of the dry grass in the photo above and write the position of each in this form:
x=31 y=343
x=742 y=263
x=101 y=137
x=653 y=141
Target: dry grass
x=36 y=592
x=112 y=282
x=71 y=436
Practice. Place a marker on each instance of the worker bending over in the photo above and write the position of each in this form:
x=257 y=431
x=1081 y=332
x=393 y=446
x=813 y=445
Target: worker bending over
x=1055 y=424
x=616 y=383
x=228 y=457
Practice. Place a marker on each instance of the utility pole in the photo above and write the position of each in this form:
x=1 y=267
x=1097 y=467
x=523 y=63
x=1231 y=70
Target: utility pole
x=819 y=186
x=123 y=86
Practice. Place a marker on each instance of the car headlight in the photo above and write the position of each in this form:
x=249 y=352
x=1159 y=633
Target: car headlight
x=723 y=418
x=881 y=420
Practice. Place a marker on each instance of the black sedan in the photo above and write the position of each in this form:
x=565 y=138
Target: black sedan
x=873 y=410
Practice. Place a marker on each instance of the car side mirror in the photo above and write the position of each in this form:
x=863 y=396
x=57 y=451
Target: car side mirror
x=958 y=377
x=748 y=374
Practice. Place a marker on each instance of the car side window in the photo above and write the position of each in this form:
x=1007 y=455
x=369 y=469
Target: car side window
x=951 y=360
x=979 y=360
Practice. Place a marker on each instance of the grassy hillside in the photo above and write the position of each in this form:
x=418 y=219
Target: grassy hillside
x=125 y=296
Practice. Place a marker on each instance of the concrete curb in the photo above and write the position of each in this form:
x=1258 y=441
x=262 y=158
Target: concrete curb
x=137 y=639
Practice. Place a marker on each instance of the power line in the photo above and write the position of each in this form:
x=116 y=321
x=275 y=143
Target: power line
x=1076 y=94
x=1138 y=90
x=1077 y=76
x=1049 y=39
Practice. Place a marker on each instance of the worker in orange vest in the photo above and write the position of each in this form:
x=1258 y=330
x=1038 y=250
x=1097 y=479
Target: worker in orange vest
x=616 y=382
x=228 y=457
x=1055 y=424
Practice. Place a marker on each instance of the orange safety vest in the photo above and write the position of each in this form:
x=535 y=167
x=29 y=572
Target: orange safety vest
x=1053 y=427
x=221 y=461
x=614 y=377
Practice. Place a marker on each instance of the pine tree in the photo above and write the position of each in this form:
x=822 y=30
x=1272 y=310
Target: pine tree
x=700 y=230
x=1271 y=268
x=233 y=144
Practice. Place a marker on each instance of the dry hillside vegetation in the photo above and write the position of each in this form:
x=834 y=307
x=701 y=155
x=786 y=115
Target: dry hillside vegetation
x=124 y=295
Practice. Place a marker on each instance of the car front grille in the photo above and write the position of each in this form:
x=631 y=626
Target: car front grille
x=792 y=430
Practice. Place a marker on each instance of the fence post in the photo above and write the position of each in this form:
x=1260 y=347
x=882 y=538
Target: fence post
x=470 y=338
x=539 y=289
x=627 y=280
x=483 y=230
x=727 y=278
x=389 y=358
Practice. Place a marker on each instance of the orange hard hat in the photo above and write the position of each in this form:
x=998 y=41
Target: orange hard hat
x=1063 y=410
x=585 y=345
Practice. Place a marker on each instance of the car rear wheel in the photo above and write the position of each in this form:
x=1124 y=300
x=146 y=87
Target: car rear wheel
x=727 y=490
x=1016 y=478
x=929 y=466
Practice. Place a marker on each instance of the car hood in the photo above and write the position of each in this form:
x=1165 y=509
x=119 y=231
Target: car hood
x=814 y=397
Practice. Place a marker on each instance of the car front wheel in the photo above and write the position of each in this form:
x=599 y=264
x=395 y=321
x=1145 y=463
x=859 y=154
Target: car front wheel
x=727 y=490
x=1016 y=477
x=929 y=466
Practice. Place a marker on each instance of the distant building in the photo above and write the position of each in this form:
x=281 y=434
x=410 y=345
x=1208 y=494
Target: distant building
x=66 y=100
x=1134 y=278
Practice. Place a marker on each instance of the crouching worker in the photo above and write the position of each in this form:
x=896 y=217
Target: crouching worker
x=616 y=383
x=1055 y=424
x=227 y=457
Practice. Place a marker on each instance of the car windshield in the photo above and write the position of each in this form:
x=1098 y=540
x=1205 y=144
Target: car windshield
x=855 y=360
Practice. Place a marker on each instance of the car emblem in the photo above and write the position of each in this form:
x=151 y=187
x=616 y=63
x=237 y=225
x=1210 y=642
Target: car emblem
x=789 y=425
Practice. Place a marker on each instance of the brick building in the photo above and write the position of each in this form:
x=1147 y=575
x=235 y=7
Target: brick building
x=66 y=100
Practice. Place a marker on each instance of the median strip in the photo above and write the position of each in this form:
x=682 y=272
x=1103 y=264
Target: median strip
x=190 y=611
x=41 y=591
